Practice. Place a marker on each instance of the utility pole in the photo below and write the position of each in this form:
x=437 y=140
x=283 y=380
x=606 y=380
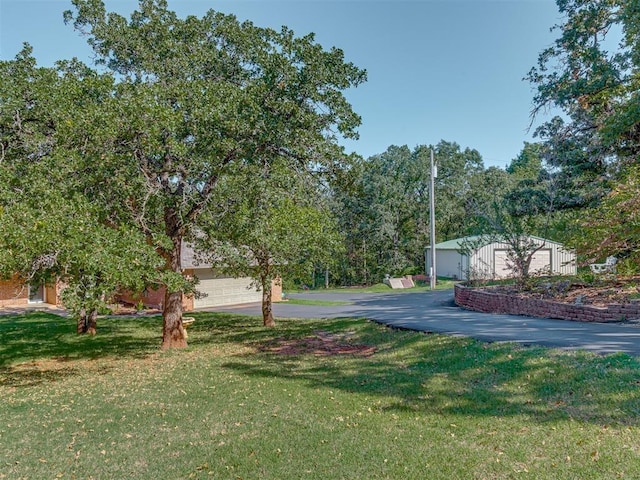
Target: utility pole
x=432 y=221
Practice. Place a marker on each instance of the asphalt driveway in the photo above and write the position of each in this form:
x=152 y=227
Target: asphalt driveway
x=436 y=312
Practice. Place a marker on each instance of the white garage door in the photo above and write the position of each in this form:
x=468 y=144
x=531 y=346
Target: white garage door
x=223 y=290
x=540 y=261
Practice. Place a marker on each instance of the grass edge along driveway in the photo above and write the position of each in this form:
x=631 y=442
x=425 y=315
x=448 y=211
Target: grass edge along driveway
x=236 y=404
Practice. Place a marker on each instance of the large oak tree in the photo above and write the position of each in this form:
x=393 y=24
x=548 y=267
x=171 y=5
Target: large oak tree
x=592 y=74
x=193 y=98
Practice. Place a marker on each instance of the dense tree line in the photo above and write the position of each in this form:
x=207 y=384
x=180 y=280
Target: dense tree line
x=383 y=208
x=579 y=184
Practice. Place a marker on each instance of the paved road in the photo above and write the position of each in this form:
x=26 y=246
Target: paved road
x=436 y=312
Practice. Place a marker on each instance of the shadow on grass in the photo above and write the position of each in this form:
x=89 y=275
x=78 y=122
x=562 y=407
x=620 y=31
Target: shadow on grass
x=30 y=375
x=410 y=371
x=31 y=339
x=438 y=374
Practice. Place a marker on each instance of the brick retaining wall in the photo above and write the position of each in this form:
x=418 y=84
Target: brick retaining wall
x=483 y=299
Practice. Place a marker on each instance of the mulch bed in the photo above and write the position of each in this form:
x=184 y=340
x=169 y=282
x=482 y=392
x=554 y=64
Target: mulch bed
x=603 y=292
x=129 y=309
x=322 y=343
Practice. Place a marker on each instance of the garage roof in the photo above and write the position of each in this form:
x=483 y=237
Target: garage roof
x=455 y=243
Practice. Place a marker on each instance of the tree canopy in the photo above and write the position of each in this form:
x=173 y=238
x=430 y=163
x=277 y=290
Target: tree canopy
x=50 y=230
x=591 y=74
x=383 y=207
x=276 y=225
x=180 y=104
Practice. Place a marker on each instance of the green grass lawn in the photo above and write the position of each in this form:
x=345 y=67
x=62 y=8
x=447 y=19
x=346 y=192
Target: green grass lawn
x=442 y=284
x=421 y=407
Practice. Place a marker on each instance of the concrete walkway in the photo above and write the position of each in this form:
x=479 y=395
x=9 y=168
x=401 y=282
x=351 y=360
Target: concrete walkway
x=33 y=307
x=436 y=312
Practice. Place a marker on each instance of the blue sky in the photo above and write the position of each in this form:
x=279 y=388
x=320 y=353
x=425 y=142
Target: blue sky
x=437 y=69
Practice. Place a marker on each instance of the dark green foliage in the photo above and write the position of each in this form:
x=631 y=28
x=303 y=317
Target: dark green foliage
x=275 y=225
x=613 y=228
x=185 y=103
x=197 y=99
x=591 y=74
x=50 y=228
x=384 y=207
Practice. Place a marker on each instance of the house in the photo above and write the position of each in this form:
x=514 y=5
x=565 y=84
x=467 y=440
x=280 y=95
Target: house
x=489 y=259
x=216 y=289
x=14 y=292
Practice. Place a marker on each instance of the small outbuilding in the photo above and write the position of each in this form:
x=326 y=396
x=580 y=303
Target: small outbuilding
x=488 y=258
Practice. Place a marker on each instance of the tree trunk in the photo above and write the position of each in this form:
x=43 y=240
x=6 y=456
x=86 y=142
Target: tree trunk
x=173 y=334
x=172 y=329
x=82 y=321
x=267 y=313
x=87 y=322
x=92 y=321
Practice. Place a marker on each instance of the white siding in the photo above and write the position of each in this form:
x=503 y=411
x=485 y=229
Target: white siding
x=562 y=261
x=540 y=263
x=223 y=290
x=449 y=263
x=481 y=263
x=488 y=261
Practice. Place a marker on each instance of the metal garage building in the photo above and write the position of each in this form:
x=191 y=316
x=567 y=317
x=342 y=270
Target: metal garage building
x=489 y=259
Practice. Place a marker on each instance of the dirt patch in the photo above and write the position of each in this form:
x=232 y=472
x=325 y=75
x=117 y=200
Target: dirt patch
x=322 y=343
x=602 y=292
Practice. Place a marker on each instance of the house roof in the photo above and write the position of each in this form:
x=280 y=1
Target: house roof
x=456 y=243
x=188 y=258
x=191 y=258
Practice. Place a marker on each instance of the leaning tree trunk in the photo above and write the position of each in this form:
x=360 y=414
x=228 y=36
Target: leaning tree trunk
x=173 y=334
x=267 y=313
